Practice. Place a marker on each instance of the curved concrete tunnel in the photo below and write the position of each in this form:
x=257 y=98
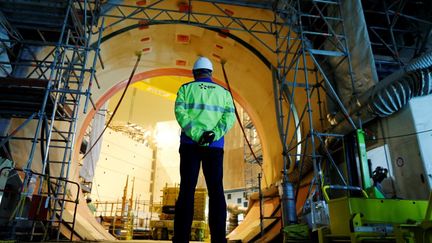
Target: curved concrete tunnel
x=248 y=71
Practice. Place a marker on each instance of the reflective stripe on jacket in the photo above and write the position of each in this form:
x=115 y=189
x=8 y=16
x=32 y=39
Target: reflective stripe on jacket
x=202 y=106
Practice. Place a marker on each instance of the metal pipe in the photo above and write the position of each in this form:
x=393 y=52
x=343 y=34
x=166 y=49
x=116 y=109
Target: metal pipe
x=288 y=204
x=261 y=206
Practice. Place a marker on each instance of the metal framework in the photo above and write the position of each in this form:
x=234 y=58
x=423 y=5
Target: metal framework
x=252 y=167
x=49 y=68
x=399 y=31
x=215 y=17
x=316 y=35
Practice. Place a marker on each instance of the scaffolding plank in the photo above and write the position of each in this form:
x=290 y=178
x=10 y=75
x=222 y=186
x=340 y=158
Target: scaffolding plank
x=23 y=82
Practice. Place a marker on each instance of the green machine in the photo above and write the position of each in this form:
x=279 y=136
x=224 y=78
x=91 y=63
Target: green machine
x=371 y=189
x=371 y=217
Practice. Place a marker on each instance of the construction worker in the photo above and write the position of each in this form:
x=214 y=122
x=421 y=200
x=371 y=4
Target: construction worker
x=205 y=112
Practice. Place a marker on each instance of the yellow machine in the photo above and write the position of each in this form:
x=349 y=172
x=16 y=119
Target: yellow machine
x=363 y=214
x=162 y=229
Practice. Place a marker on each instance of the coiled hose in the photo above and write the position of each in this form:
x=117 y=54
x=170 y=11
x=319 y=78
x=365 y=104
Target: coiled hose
x=422 y=62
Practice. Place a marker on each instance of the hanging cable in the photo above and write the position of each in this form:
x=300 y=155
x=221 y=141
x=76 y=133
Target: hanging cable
x=400 y=136
x=238 y=116
x=138 y=54
x=240 y=123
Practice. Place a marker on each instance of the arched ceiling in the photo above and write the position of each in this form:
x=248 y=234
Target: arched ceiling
x=157 y=93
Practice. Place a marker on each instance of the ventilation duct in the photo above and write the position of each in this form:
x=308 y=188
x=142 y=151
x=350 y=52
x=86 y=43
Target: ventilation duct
x=356 y=73
x=392 y=98
x=391 y=94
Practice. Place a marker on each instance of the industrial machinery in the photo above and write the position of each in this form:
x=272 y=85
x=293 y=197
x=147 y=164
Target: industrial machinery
x=346 y=213
x=163 y=228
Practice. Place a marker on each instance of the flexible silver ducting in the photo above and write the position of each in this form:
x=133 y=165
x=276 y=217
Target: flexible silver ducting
x=422 y=62
x=397 y=94
x=389 y=95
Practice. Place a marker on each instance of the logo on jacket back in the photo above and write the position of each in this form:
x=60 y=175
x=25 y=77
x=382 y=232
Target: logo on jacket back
x=204 y=86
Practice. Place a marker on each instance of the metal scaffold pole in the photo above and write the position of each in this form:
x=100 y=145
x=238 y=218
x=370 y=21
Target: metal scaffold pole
x=312 y=31
x=48 y=77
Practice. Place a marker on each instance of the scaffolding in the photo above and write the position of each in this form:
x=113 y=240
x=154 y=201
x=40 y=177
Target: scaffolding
x=316 y=36
x=109 y=214
x=252 y=167
x=399 y=31
x=216 y=17
x=48 y=65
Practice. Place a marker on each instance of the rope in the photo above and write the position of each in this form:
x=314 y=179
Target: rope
x=118 y=104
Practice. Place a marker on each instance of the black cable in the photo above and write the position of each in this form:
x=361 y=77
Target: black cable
x=118 y=104
x=241 y=126
x=238 y=117
x=400 y=136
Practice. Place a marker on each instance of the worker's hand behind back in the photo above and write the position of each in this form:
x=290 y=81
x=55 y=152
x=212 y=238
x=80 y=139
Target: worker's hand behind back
x=206 y=138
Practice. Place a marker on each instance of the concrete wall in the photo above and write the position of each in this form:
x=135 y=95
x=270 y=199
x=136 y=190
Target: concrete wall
x=121 y=157
x=409 y=148
x=167 y=157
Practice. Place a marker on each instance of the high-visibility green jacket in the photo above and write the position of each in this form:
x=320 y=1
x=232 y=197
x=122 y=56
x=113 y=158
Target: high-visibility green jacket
x=202 y=106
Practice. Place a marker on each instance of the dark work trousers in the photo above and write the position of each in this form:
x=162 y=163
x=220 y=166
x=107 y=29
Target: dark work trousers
x=191 y=156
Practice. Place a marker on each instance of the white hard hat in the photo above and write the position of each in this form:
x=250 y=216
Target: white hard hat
x=203 y=63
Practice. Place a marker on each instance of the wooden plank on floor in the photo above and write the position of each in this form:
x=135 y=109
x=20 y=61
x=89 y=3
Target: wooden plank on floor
x=250 y=227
